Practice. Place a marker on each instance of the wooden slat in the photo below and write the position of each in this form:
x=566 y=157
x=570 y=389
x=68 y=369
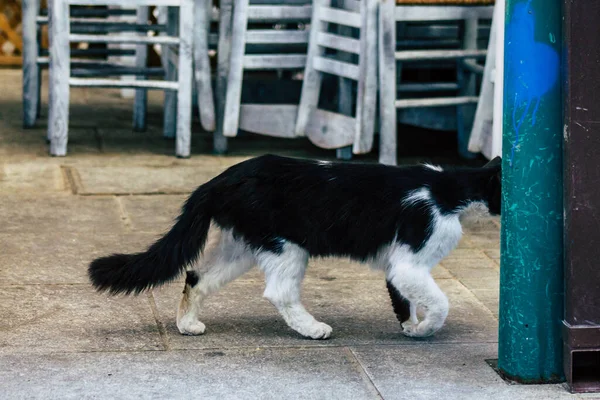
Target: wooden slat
x=95 y=72
x=277 y=120
x=58 y=99
x=202 y=73
x=436 y=102
x=43 y=20
x=275 y=61
x=260 y=36
x=279 y=13
x=31 y=70
x=231 y=116
x=124 y=39
x=311 y=83
x=423 y=44
x=441 y=13
x=388 y=128
x=352 y=5
x=97 y=63
x=341 y=17
x=140 y=102
x=338 y=42
x=185 y=73
x=337 y=68
x=330 y=130
x=427 y=87
x=170 y=102
x=426 y=55
x=472 y=66
x=367 y=81
x=223 y=64
x=118 y=83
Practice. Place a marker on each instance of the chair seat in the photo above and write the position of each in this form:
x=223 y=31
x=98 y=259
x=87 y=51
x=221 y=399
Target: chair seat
x=446 y=2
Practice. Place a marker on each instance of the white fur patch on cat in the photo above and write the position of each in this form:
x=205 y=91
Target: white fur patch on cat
x=433 y=167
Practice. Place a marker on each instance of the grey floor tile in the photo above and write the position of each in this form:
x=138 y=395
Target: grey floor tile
x=53 y=215
x=155 y=214
x=217 y=374
x=45 y=258
x=46 y=318
x=143 y=179
x=31 y=176
x=444 y=371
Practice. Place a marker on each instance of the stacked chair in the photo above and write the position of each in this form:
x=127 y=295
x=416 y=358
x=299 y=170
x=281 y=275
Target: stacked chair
x=461 y=93
x=363 y=44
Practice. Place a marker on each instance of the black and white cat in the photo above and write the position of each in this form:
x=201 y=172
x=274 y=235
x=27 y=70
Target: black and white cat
x=276 y=212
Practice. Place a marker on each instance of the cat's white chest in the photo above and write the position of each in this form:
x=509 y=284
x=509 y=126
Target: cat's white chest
x=445 y=236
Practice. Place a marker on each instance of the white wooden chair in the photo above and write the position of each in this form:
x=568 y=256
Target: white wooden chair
x=391 y=61
x=270 y=49
x=61 y=78
x=334 y=129
x=486 y=134
x=83 y=21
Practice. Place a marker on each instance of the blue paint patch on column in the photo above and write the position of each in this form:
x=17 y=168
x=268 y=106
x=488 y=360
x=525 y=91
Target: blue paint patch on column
x=533 y=65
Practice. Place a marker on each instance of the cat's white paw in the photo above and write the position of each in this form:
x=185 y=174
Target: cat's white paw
x=317 y=330
x=188 y=327
x=420 y=330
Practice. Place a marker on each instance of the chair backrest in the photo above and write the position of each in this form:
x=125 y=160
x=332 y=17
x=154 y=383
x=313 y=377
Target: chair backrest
x=349 y=53
x=265 y=36
x=277 y=34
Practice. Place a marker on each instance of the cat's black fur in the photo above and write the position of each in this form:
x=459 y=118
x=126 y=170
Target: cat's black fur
x=329 y=209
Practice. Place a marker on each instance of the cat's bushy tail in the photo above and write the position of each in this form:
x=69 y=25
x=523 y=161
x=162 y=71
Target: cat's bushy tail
x=164 y=260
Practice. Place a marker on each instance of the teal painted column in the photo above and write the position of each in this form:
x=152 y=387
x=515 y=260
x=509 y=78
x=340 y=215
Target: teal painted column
x=531 y=277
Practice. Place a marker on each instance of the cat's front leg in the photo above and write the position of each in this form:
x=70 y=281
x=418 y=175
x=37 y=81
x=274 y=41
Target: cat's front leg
x=415 y=284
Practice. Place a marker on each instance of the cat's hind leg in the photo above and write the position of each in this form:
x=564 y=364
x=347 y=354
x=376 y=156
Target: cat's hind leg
x=284 y=272
x=225 y=258
x=418 y=287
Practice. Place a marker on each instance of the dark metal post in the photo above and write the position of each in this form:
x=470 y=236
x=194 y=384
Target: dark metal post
x=582 y=195
x=531 y=278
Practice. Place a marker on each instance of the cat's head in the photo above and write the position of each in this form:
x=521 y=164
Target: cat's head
x=493 y=185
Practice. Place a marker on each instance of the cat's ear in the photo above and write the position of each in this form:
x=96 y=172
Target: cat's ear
x=495 y=163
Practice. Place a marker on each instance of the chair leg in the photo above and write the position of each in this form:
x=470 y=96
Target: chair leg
x=344 y=107
x=206 y=105
x=184 y=92
x=387 y=83
x=344 y=92
x=481 y=137
x=60 y=70
x=170 y=105
x=236 y=69
x=162 y=19
x=366 y=107
x=31 y=82
x=223 y=53
x=38 y=110
x=465 y=114
x=140 y=103
x=311 y=85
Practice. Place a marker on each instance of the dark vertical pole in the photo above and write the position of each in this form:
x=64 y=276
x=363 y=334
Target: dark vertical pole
x=531 y=278
x=582 y=195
